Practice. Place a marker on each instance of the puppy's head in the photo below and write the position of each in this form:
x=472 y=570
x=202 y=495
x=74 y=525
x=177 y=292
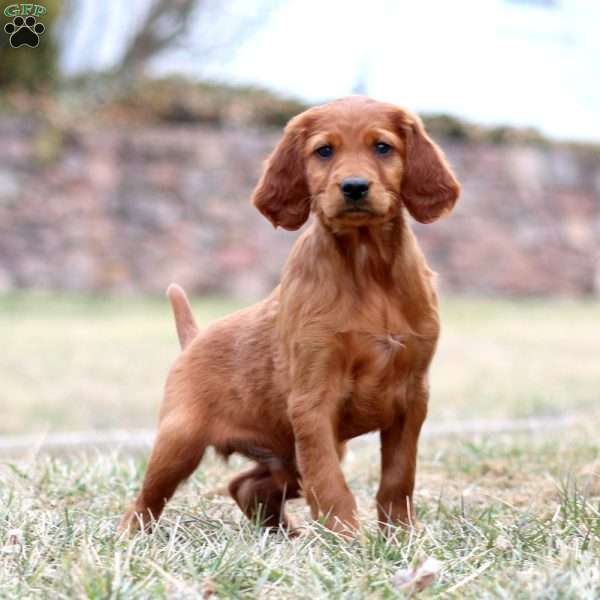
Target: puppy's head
x=355 y=162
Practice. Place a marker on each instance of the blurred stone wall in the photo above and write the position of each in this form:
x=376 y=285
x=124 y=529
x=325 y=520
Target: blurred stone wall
x=132 y=209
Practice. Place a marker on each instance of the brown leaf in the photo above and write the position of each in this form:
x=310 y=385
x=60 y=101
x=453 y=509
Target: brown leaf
x=411 y=581
x=14 y=542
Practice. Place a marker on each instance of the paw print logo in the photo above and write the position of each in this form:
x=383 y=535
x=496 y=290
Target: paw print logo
x=24 y=32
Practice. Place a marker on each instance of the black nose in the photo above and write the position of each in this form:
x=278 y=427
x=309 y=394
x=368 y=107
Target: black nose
x=354 y=188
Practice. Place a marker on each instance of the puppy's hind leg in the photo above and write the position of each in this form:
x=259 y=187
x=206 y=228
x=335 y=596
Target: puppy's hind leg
x=261 y=495
x=180 y=444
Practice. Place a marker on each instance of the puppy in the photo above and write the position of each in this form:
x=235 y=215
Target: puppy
x=340 y=348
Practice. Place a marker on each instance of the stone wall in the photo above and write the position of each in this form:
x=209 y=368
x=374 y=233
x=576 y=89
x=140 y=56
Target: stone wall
x=132 y=209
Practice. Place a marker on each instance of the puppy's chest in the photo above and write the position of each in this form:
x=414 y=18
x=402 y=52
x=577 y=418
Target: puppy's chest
x=380 y=357
x=379 y=338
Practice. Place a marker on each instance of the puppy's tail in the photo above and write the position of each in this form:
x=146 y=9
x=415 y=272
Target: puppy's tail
x=184 y=319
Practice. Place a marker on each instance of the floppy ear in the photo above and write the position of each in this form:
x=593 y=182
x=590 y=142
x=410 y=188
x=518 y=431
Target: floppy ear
x=282 y=193
x=429 y=187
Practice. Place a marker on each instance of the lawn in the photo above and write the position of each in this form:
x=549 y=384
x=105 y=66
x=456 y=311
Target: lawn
x=71 y=363
x=507 y=515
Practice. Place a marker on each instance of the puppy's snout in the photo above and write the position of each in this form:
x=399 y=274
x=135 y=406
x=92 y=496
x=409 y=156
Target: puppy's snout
x=354 y=188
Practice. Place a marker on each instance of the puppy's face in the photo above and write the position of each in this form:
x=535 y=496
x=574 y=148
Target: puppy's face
x=353 y=156
x=355 y=162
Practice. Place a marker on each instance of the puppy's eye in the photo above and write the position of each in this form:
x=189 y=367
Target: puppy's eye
x=324 y=151
x=382 y=148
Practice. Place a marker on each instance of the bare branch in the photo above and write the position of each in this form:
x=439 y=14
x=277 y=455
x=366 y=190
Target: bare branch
x=166 y=21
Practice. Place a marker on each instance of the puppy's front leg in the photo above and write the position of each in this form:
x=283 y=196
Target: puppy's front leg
x=399 y=459
x=317 y=453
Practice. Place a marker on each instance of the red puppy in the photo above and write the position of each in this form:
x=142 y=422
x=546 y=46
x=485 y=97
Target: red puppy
x=340 y=348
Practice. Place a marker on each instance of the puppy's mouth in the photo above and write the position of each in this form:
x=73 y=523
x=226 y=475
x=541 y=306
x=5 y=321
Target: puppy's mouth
x=358 y=210
x=362 y=211
x=360 y=214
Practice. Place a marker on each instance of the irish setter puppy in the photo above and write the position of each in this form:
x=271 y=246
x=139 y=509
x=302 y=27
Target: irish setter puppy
x=340 y=348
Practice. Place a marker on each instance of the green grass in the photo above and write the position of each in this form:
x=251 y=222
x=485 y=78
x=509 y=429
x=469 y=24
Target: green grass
x=76 y=363
x=510 y=517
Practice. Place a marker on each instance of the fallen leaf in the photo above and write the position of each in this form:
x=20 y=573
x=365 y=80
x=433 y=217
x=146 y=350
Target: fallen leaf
x=411 y=581
x=209 y=588
x=14 y=542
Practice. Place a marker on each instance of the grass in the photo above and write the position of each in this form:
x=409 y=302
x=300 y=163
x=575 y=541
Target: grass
x=508 y=516
x=86 y=362
x=80 y=363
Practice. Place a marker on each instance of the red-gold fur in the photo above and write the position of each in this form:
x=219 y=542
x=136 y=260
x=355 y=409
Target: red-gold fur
x=340 y=348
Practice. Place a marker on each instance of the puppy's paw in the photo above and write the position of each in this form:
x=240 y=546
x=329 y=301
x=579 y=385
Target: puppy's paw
x=347 y=528
x=134 y=521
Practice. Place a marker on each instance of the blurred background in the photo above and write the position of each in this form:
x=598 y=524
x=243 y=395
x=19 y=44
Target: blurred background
x=132 y=136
